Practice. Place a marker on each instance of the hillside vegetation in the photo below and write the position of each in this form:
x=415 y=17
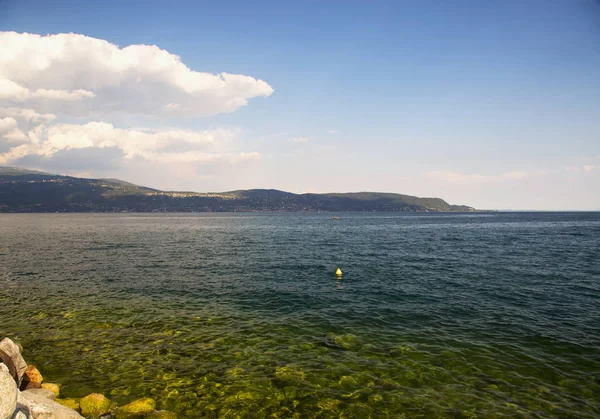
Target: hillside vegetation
x=30 y=191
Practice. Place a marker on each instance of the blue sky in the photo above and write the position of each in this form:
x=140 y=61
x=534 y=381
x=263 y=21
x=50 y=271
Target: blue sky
x=494 y=104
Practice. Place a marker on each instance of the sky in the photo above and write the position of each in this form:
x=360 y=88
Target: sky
x=492 y=104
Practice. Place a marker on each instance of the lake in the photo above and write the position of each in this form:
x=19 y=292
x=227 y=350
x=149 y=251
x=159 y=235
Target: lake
x=241 y=315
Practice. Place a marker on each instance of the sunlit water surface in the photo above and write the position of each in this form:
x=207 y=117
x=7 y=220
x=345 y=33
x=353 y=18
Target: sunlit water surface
x=233 y=315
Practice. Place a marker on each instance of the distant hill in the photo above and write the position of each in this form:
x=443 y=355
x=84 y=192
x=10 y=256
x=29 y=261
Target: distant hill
x=15 y=171
x=31 y=191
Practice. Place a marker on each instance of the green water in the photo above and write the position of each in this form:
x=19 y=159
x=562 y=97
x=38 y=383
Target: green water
x=242 y=316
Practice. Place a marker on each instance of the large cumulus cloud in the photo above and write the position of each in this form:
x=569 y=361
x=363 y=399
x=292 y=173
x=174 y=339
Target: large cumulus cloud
x=59 y=94
x=79 y=75
x=43 y=145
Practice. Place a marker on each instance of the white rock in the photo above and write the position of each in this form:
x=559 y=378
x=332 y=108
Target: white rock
x=37 y=406
x=42 y=392
x=8 y=393
x=19 y=414
x=11 y=356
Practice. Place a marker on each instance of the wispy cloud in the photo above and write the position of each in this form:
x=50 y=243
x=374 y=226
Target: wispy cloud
x=475 y=178
x=586 y=168
x=299 y=140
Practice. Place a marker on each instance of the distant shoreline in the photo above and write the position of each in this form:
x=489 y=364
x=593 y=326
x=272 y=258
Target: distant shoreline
x=327 y=213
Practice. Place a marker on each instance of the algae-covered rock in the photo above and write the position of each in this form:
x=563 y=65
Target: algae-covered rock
x=375 y=398
x=180 y=382
x=235 y=372
x=94 y=405
x=120 y=391
x=290 y=372
x=358 y=410
x=70 y=403
x=388 y=384
x=347 y=381
x=40 y=316
x=369 y=347
x=162 y=414
x=346 y=341
x=137 y=408
x=328 y=404
x=54 y=388
x=306 y=346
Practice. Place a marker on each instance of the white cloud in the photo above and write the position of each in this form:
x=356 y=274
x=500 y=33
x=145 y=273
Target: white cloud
x=46 y=79
x=243 y=156
x=63 y=94
x=516 y=175
x=27 y=116
x=172 y=107
x=89 y=75
x=332 y=131
x=579 y=169
x=10 y=90
x=7 y=125
x=10 y=134
x=161 y=146
x=196 y=156
x=169 y=159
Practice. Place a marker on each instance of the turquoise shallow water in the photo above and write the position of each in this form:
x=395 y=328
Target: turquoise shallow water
x=236 y=315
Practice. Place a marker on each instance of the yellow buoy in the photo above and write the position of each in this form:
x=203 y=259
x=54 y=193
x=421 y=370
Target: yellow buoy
x=338 y=272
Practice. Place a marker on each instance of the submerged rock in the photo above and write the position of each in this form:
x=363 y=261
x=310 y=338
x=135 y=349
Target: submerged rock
x=334 y=341
x=8 y=392
x=36 y=406
x=70 y=403
x=137 y=408
x=94 y=404
x=290 y=372
x=329 y=342
x=347 y=381
x=162 y=414
x=10 y=355
x=54 y=388
x=328 y=404
x=375 y=398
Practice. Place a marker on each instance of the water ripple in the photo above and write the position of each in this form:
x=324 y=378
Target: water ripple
x=484 y=315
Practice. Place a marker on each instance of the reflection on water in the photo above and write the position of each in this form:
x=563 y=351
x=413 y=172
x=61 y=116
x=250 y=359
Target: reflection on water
x=241 y=315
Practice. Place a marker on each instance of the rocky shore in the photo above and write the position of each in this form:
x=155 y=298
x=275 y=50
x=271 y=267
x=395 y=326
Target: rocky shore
x=25 y=395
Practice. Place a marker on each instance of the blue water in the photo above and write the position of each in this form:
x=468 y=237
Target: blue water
x=237 y=315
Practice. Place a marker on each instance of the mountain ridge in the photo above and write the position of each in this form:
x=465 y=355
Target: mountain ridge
x=23 y=190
